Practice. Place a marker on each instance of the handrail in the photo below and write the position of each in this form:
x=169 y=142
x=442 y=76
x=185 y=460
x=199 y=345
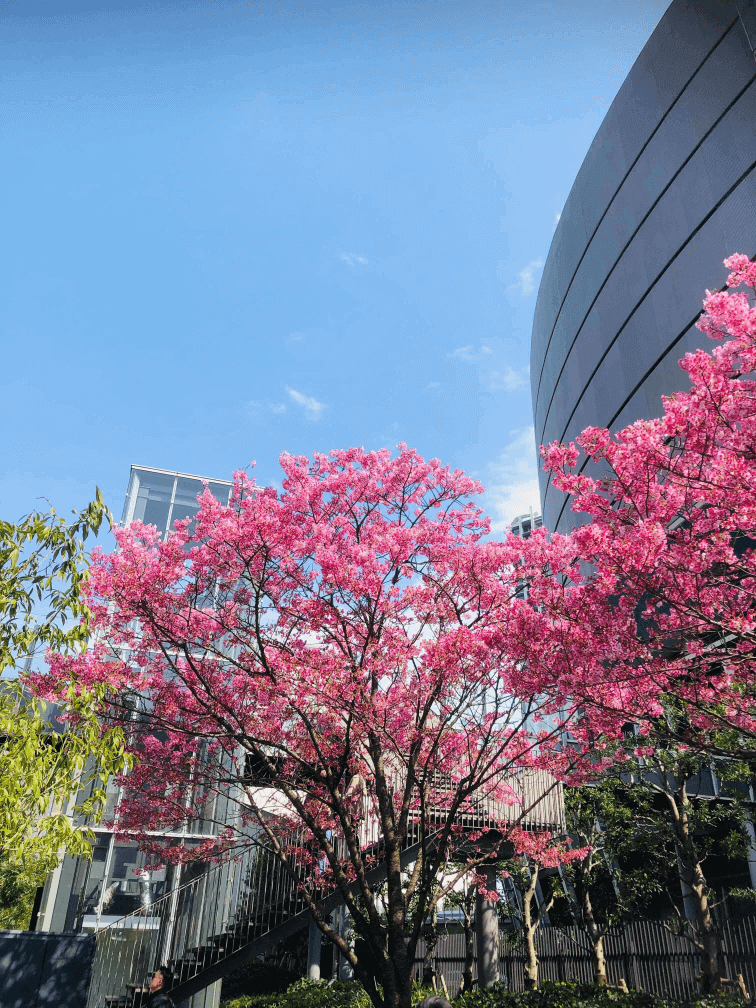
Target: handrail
x=141 y=910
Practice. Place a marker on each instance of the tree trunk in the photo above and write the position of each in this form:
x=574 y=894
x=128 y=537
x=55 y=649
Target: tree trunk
x=467 y=970
x=706 y=938
x=397 y=993
x=595 y=933
x=530 y=925
x=397 y=986
x=599 y=961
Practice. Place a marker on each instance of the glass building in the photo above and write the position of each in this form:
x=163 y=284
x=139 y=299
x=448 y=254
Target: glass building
x=524 y=524
x=83 y=895
x=160 y=497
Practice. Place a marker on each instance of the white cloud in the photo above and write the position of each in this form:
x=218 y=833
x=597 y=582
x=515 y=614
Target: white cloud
x=468 y=352
x=526 y=278
x=311 y=406
x=557 y=218
x=352 y=259
x=513 y=480
x=508 y=380
x=254 y=407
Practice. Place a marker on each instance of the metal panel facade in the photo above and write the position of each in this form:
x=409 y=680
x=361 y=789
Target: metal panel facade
x=666 y=191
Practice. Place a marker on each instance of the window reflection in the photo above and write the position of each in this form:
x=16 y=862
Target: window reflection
x=160 y=498
x=188 y=490
x=182 y=511
x=152 y=502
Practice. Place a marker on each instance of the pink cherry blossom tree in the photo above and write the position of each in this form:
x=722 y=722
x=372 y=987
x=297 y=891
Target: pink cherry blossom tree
x=646 y=614
x=332 y=658
x=648 y=610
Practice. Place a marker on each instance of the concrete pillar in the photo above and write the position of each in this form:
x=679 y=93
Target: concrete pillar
x=49 y=898
x=487 y=933
x=313 y=952
x=750 y=833
x=207 y=998
x=344 y=968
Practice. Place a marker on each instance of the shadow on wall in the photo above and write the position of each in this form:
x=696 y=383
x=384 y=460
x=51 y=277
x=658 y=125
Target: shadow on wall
x=39 y=970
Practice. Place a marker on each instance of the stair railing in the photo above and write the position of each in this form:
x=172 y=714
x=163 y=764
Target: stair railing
x=193 y=926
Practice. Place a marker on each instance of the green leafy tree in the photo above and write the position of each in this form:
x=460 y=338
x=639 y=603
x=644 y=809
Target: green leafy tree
x=625 y=866
x=649 y=833
x=525 y=875
x=42 y=567
x=54 y=760
x=524 y=872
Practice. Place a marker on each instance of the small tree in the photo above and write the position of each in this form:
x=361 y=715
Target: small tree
x=537 y=852
x=331 y=658
x=684 y=822
x=45 y=761
x=628 y=856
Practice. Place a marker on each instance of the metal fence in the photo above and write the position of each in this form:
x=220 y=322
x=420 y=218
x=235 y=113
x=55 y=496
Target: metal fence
x=643 y=953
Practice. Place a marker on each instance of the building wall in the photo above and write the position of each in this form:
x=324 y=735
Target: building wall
x=46 y=971
x=666 y=192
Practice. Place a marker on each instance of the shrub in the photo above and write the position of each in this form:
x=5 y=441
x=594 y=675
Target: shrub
x=551 y=994
x=308 y=994
x=253 y=1001
x=322 y=994
x=257 y=978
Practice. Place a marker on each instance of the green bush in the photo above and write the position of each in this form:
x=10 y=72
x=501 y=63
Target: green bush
x=575 y=995
x=308 y=994
x=253 y=1001
x=257 y=978
x=321 y=994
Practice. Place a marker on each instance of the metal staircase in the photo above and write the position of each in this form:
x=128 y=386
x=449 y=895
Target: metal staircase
x=218 y=922
x=205 y=929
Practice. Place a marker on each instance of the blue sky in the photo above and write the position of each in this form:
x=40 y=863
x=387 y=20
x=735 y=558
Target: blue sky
x=234 y=229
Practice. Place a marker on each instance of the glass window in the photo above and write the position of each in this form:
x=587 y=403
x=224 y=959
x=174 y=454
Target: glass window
x=183 y=511
x=188 y=490
x=151 y=494
x=220 y=491
x=153 y=498
x=155 y=513
x=154 y=481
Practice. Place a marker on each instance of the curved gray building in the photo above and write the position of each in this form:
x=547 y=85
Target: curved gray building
x=666 y=192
